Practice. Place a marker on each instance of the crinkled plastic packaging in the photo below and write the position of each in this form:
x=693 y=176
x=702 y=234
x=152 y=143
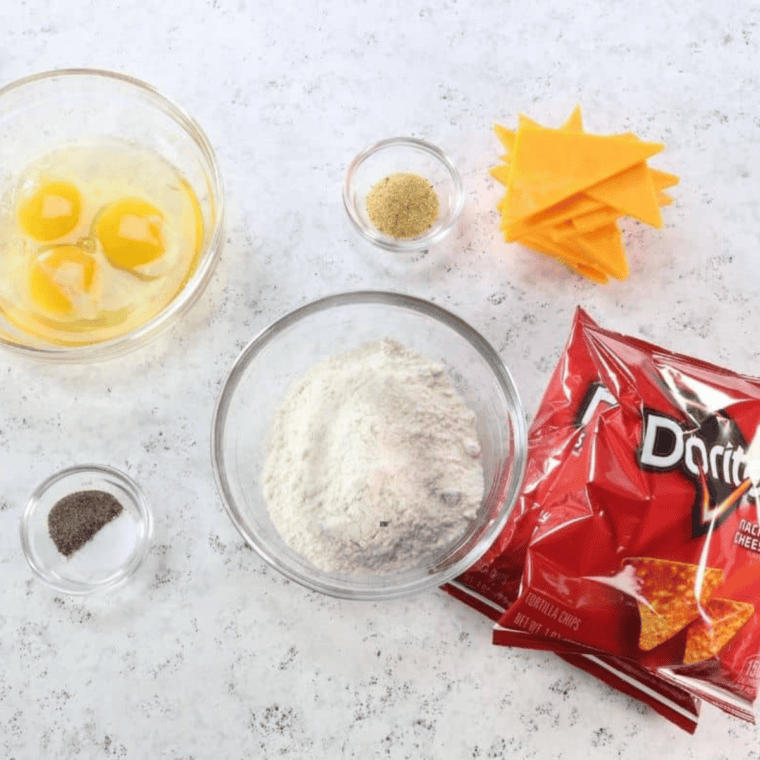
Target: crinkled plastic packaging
x=634 y=549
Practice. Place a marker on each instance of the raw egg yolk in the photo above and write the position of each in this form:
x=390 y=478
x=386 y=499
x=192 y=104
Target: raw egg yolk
x=52 y=212
x=61 y=278
x=131 y=232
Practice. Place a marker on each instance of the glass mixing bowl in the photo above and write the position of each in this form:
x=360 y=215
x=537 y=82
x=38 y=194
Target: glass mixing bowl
x=285 y=351
x=83 y=107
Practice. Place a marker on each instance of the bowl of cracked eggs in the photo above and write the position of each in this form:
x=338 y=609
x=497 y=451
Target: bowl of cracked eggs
x=112 y=211
x=369 y=445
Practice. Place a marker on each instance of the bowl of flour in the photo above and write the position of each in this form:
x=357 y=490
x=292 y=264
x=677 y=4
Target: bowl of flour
x=369 y=445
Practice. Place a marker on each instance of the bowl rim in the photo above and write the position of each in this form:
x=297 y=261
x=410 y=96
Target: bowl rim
x=508 y=495
x=195 y=286
x=136 y=558
x=404 y=245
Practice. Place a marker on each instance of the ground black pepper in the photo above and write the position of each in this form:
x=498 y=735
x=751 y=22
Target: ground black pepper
x=76 y=518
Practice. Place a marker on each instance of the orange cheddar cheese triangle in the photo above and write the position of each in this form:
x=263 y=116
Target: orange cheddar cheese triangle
x=506 y=136
x=525 y=122
x=574 y=122
x=595 y=219
x=632 y=192
x=585 y=268
x=568 y=208
x=549 y=165
x=661 y=180
x=601 y=248
x=588 y=271
x=605 y=245
x=570 y=258
x=566 y=250
x=500 y=173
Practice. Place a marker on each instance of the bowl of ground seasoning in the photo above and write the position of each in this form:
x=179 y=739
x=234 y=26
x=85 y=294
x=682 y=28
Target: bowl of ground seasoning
x=86 y=529
x=369 y=445
x=403 y=194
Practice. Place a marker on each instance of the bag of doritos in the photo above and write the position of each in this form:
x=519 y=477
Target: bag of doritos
x=634 y=550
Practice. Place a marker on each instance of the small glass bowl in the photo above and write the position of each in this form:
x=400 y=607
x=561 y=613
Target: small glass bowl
x=46 y=111
x=111 y=556
x=403 y=154
x=285 y=351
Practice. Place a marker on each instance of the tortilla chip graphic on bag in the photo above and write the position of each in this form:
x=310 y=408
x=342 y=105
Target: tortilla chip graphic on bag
x=705 y=639
x=666 y=599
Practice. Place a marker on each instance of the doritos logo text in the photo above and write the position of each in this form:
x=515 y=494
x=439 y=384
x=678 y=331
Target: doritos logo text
x=711 y=456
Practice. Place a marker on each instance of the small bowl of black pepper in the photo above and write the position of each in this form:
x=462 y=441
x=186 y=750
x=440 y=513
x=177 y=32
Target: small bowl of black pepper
x=403 y=194
x=86 y=529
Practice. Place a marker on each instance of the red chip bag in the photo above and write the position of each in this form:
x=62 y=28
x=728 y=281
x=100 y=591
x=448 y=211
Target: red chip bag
x=634 y=549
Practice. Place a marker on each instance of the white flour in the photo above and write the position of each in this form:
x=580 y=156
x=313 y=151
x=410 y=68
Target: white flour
x=373 y=461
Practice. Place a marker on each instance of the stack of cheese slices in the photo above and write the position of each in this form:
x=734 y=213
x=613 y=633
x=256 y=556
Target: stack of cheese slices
x=566 y=190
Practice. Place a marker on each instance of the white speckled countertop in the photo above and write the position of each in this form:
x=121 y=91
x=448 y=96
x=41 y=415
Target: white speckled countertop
x=208 y=653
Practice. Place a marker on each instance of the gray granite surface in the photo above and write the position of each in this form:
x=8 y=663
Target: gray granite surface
x=208 y=653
